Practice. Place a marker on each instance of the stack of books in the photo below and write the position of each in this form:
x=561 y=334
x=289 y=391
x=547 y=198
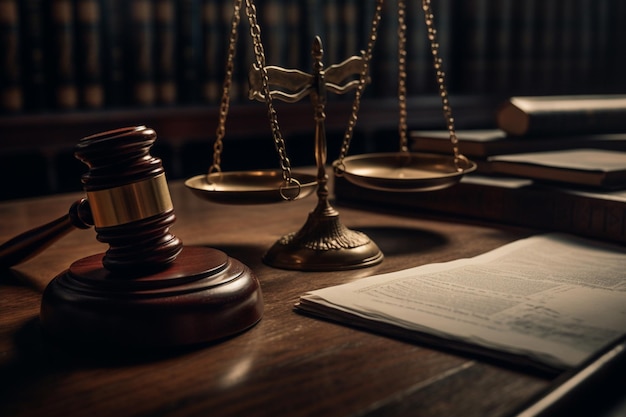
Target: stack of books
x=552 y=163
x=537 y=124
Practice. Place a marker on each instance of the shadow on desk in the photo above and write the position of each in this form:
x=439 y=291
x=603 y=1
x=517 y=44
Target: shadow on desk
x=401 y=241
x=42 y=353
x=392 y=241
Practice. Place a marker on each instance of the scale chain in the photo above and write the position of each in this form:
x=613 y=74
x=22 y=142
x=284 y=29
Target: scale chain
x=367 y=57
x=255 y=32
x=440 y=75
x=402 y=90
x=218 y=146
x=402 y=94
x=259 y=53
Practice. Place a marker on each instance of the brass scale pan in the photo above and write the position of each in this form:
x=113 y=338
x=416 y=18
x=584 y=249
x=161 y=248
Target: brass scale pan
x=395 y=171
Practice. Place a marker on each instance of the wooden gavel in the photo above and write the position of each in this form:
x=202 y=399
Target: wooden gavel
x=127 y=201
x=146 y=290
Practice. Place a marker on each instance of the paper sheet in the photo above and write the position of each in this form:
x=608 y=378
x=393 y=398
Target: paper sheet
x=554 y=298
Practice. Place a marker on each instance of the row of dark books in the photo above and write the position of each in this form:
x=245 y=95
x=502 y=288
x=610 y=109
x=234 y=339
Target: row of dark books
x=541 y=47
x=85 y=54
x=91 y=54
x=70 y=54
x=552 y=163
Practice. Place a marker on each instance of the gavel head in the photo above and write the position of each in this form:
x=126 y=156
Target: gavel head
x=129 y=199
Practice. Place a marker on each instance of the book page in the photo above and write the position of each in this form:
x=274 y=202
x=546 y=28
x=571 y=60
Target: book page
x=554 y=298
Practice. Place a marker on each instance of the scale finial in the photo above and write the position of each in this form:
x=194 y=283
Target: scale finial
x=317 y=50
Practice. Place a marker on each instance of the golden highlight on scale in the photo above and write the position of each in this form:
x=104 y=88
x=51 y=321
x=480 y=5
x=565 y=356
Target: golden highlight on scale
x=148 y=290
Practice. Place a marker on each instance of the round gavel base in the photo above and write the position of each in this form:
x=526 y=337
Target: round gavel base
x=204 y=295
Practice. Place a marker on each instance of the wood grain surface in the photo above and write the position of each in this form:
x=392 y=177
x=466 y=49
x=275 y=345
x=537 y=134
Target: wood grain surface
x=286 y=365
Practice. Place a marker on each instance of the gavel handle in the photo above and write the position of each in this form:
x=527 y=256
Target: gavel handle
x=33 y=242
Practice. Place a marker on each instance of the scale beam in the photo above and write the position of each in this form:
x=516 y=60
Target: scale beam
x=323 y=243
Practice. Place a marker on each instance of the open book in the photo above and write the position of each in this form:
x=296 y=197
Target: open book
x=550 y=301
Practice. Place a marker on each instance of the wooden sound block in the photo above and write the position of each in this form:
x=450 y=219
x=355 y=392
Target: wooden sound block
x=204 y=295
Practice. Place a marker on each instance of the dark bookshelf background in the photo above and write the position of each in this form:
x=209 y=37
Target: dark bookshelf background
x=82 y=60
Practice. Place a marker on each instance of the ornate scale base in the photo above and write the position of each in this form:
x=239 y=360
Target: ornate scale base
x=204 y=295
x=323 y=244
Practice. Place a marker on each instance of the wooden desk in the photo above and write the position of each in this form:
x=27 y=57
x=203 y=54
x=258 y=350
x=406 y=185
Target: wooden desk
x=286 y=365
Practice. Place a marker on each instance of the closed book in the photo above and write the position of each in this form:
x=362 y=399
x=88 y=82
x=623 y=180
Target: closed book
x=482 y=143
x=587 y=167
x=514 y=201
x=559 y=115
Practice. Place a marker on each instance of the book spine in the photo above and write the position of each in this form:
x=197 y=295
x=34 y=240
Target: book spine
x=490 y=39
x=142 y=53
x=189 y=50
x=89 y=53
x=33 y=48
x=523 y=62
x=11 y=94
x=548 y=28
x=213 y=57
x=533 y=207
x=165 y=27
x=274 y=39
x=349 y=29
x=331 y=36
x=597 y=218
x=476 y=30
x=570 y=41
x=601 y=26
x=63 y=47
x=295 y=34
x=586 y=43
x=502 y=19
x=115 y=56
